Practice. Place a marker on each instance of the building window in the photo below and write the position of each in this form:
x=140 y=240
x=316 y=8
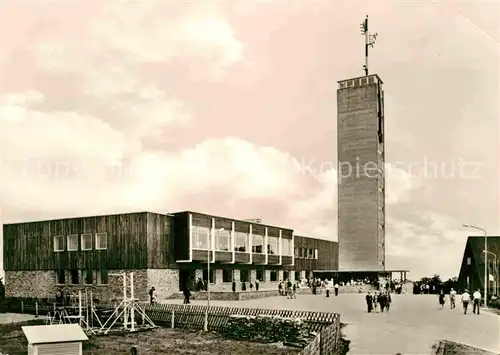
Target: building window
x=74 y=277
x=86 y=241
x=258 y=242
x=59 y=243
x=286 y=245
x=241 y=241
x=101 y=241
x=316 y=254
x=244 y=277
x=260 y=275
x=227 y=276
x=272 y=245
x=469 y=261
x=212 y=275
x=60 y=277
x=296 y=252
x=274 y=276
x=303 y=252
x=87 y=276
x=223 y=240
x=201 y=237
x=310 y=253
x=102 y=277
x=73 y=242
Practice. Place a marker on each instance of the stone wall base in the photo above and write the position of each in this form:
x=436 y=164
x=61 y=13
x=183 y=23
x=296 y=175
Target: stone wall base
x=165 y=282
x=42 y=284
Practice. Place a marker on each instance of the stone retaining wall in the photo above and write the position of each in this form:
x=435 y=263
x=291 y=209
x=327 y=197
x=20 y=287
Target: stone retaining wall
x=165 y=282
x=42 y=284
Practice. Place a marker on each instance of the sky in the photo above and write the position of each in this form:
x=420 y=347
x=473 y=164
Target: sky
x=229 y=108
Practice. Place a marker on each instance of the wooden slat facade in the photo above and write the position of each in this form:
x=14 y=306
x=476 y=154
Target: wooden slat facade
x=243 y=258
x=258 y=258
x=223 y=256
x=30 y=246
x=328 y=254
x=161 y=248
x=273 y=259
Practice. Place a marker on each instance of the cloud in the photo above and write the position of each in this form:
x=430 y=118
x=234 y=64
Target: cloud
x=122 y=38
x=426 y=243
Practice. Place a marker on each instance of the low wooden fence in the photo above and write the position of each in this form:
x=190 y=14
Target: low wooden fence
x=326 y=325
x=193 y=316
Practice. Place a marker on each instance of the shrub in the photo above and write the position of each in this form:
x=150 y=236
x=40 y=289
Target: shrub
x=267 y=329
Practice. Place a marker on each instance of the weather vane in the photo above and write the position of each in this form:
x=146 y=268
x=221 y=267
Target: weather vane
x=369 y=41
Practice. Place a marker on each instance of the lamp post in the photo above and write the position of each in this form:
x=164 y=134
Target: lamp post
x=485 y=260
x=495 y=268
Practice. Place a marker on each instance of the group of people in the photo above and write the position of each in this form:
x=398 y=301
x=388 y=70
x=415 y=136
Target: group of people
x=381 y=298
x=288 y=289
x=329 y=284
x=465 y=299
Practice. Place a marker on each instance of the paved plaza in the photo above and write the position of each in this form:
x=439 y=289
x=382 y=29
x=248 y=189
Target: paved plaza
x=413 y=324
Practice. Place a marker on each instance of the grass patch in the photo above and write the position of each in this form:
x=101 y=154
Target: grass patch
x=155 y=342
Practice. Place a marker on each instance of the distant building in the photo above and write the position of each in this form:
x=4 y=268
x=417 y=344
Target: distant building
x=361 y=174
x=471 y=274
x=164 y=251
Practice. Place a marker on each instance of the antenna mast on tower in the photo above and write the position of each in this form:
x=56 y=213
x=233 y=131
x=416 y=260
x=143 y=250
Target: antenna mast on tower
x=369 y=41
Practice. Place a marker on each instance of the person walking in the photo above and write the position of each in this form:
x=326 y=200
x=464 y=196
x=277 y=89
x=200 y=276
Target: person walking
x=152 y=295
x=289 y=289
x=476 y=298
x=453 y=294
x=375 y=302
x=369 y=302
x=187 y=291
x=465 y=300
x=294 y=290
x=382 y=300
x=441 y=299
x=388 y=301
x=336 y=289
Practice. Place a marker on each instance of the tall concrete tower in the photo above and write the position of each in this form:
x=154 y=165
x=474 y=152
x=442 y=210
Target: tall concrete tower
x=361 y=175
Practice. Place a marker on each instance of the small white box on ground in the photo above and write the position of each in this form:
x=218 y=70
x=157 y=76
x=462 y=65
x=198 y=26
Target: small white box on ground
x=59 y=339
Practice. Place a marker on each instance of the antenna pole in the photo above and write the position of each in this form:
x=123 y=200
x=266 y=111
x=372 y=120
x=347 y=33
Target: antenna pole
x=369 y=41
x=367 y=44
